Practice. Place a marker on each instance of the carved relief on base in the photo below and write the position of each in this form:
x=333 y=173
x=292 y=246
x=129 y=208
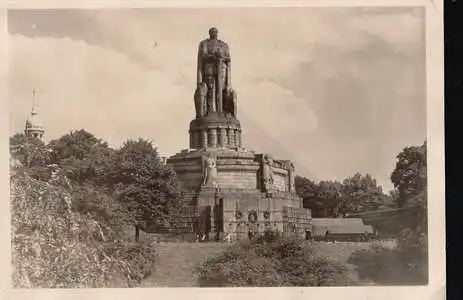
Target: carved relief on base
x=267 y=173
x=210 y=172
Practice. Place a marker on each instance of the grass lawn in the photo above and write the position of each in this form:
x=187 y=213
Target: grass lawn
x=176 y=261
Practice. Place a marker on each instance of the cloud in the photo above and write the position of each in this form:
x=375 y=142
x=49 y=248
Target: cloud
x=335 y=90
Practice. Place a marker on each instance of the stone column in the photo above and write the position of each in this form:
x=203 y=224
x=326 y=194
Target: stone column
x=223 y=137
x=203 y=138
x=191 y=140
x=212 y=137
x=231 y=137
x=194 y=139
x=238 y=138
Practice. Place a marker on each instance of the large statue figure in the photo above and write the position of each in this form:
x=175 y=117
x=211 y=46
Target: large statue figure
x=214 y=73
x=210 y=172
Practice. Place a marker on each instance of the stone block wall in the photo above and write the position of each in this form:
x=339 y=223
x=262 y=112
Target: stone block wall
x=235 y=169
x=296 y=221
x=280 y=181
x=269 y=213
x=239 y=206
x=240 y=180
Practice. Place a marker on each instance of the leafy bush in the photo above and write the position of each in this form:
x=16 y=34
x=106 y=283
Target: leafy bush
x=270 y=260
x=58 y=244
x=407 y=264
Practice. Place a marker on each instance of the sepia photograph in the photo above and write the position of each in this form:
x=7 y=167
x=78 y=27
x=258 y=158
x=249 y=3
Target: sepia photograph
x=221 y=147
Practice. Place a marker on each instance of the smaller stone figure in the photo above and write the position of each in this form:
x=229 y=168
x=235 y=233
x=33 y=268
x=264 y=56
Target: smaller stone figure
x=229 y=99
x=210 y=172
x=228 y=238
x=291 y=175
x=267 y=173
x=200 y=99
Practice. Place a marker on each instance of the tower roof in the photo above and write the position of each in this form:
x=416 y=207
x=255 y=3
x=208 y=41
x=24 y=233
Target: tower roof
x=34 y=122
x=34 y=125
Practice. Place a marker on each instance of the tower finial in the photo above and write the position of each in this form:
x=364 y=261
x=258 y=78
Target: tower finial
x=33 y=102
x=34 y=126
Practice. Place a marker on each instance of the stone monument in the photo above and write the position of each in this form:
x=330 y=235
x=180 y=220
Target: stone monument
x=228 y=190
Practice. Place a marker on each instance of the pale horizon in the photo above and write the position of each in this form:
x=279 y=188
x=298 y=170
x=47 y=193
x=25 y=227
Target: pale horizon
x=337 y=91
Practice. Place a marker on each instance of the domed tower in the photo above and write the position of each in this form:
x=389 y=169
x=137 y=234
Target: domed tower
x=34 y=126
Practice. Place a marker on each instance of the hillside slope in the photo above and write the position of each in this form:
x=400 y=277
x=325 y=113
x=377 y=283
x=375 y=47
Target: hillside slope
x=176 y=262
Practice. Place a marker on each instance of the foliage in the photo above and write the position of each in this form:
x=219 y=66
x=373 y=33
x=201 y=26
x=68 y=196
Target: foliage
x=147 y=189
x=31 y=153
x=323 y=199
x=82 y=156
x=308 y=191
x=355 y=194
x=362 y=194
x=410 y=177
x=410 y=173
x=56 y=246
x=407 y=264
x=72 y=200
x=386 y=266
x=270 y=260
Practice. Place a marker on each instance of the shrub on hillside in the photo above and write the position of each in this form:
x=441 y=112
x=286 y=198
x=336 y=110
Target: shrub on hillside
x=406 y=264
x=56 y=246
x=270 y=260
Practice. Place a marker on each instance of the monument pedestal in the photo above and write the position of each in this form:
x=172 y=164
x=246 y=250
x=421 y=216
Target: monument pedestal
x=215 y=131
x=238 y=205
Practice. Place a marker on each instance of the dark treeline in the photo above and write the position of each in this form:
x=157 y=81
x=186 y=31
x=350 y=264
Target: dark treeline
x=361 y=193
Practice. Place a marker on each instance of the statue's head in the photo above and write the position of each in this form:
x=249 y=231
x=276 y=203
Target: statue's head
x=210 y=162
x=213 y=33
x=267 y=158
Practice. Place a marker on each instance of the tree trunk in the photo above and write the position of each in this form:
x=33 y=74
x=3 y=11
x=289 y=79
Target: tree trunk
x=137 y=234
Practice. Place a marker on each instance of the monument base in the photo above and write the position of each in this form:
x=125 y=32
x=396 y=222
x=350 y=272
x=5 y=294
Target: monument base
x=238 y=205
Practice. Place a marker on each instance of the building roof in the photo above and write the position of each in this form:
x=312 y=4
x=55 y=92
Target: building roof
x=324 y=222
x=34 y=122
x=320 y=226
x=369 y=229
x=347 y=229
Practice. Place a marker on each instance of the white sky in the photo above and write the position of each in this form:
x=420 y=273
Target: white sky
x=336 y=90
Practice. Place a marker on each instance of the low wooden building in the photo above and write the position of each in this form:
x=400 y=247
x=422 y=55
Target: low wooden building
x=339 y=229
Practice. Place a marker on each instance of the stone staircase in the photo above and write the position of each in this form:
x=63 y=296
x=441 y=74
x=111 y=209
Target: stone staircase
x=176 y=262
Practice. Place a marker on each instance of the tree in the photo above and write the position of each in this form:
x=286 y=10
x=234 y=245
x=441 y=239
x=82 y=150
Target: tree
x=308 y=191
x=330 y=194
x=410 y=174
x=31 y=154
x=82 y=156
x=147 y=189
x=362 y=194
x=410 y=178
x=394 y=196
x=323 y=199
